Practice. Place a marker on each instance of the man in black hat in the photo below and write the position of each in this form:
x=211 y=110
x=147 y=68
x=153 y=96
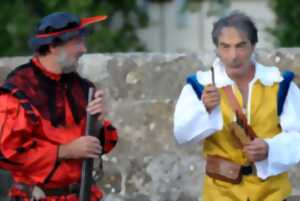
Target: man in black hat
x=43 y=114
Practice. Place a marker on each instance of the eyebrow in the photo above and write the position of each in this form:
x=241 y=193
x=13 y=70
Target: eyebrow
x=224 y=44
x=241 y=43
x=238 y=44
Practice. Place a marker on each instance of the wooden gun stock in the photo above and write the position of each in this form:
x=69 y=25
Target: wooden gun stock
x=242 y=121
x=239 y=134
x=241 y=131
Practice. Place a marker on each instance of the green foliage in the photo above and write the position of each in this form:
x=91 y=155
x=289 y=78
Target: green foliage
x=287 y=24
x=118 y=33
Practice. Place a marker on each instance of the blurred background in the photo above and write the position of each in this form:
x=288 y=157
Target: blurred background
x=151 y=25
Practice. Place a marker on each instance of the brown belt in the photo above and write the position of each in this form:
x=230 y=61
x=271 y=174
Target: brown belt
x=70 y=189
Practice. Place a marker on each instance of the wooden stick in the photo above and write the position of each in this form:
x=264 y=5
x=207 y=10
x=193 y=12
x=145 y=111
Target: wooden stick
x=213 y=75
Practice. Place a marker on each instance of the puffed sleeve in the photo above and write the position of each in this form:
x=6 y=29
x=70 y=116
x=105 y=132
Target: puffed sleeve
x=284 y=148
x=192 y=122
x=19 y=144
x=108 y=136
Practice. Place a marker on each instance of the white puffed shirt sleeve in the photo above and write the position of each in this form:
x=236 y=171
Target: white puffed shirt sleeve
x=284 y=148
x=192 y=122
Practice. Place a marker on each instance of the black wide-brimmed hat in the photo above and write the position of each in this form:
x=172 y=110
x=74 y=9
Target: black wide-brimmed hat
x=61 y=25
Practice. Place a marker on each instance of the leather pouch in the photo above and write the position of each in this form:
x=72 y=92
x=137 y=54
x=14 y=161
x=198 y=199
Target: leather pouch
x=223 y=169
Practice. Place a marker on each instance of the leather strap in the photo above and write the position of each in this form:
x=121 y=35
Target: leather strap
x=235 y=106
x=247 y=170
x=240 y=116
x=70 y=189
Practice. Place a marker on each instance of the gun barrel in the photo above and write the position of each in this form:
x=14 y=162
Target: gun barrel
x=87 y=165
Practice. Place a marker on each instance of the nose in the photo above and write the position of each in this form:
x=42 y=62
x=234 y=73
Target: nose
x=233 y=53
x=82 y=46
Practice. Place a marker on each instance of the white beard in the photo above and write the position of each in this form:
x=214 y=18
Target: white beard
x=67 y=64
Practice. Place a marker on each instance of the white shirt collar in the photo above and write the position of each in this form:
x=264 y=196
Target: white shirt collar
x=266 y=74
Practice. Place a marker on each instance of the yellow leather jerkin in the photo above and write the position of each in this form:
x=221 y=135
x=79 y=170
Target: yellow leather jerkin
x=262 y=117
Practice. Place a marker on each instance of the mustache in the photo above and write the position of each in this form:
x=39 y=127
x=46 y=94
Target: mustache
x=67 y=61
x=234 y=65
x=70 y=68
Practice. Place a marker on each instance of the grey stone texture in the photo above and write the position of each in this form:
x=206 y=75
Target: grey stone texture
x=141 y=92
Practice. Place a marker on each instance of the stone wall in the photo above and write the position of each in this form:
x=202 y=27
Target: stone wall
x=141 y=91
